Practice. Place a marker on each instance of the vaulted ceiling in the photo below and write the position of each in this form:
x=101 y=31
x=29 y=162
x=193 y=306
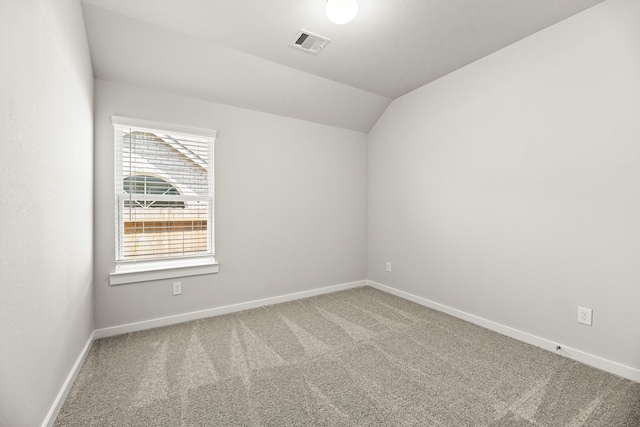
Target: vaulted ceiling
x=237 y=51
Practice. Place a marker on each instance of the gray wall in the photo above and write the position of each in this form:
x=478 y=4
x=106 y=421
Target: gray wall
x=46 y=237
x=510 y=188
x=291 y=206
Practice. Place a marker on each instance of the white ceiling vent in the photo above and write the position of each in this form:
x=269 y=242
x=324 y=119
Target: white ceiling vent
x=309 y=42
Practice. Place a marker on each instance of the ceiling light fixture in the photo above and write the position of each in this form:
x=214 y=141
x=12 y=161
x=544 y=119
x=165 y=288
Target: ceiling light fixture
x=341 y=11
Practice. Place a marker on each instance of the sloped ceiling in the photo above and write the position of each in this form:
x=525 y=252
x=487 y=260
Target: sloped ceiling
x=237 y=51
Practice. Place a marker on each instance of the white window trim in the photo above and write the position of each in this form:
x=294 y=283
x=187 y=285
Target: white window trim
x=158 y=269
x=144 y=271
x=158 y=126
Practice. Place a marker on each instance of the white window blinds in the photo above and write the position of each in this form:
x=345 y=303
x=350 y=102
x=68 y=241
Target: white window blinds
x=164 y=191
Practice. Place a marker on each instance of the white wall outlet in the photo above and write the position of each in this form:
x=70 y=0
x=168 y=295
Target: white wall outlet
x=585 y=315
x=177 y=288
x=388 y=268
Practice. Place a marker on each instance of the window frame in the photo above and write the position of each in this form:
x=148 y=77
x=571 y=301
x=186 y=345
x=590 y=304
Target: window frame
x=131 y=271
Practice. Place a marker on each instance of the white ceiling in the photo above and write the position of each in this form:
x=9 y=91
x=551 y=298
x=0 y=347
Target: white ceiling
x=237 y=51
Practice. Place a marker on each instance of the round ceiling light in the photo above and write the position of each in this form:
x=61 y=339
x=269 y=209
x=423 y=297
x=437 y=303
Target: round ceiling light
x=341 y=11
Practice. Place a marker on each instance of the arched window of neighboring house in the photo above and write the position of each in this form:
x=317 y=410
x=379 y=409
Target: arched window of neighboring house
x=146 y=184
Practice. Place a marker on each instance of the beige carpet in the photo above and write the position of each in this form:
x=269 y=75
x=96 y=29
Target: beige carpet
x=359 y=357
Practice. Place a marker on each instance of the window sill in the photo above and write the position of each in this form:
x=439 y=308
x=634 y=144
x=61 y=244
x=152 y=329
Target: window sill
x=158 y=270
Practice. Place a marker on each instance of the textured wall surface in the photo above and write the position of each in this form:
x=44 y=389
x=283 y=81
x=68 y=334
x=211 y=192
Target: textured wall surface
x=46 y=237
x=509 y=188
x=290 y=208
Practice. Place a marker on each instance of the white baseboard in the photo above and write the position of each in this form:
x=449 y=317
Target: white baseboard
x=566 y=351
x=194 y=315
x=66 y=386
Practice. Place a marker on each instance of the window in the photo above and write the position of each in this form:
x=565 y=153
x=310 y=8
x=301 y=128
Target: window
x=145 y=184
x=164 y=195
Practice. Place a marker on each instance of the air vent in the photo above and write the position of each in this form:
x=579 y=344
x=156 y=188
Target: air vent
x=309 y=42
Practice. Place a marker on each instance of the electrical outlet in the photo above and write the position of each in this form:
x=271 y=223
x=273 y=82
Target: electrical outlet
x=585 y=315
x=388 y=266
x=177 y=288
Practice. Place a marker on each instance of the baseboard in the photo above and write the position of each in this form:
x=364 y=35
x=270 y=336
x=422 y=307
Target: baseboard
x=566 y=351
x=66 y=387
x=195 y=315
